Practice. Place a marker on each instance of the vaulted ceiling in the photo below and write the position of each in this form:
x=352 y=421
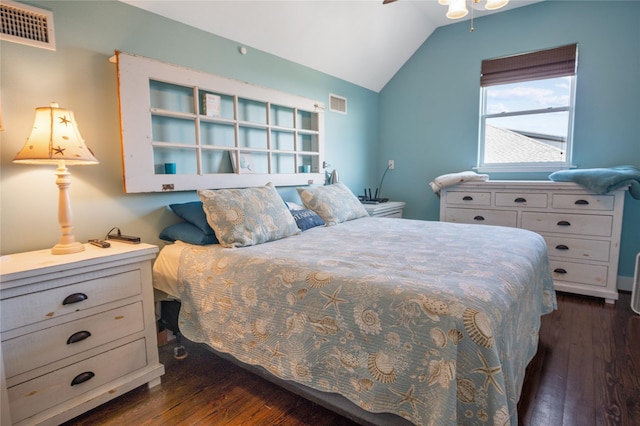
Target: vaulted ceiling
x=361 y=41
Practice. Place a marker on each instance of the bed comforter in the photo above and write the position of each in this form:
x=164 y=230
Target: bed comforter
x=435 y=322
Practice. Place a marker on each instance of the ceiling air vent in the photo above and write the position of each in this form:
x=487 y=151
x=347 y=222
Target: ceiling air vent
x=337 y=104
x=27 y=25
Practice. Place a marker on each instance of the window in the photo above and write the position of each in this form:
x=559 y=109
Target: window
x=526 y=119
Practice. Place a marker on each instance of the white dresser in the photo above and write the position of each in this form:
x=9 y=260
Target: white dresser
x=582 y=229
x=388 y=209
x=77 y=330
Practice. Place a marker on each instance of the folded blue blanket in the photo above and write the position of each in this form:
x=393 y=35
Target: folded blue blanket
x=603 y=180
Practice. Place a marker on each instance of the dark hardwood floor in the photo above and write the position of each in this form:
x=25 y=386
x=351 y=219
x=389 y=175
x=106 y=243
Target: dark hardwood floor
x=586 y=372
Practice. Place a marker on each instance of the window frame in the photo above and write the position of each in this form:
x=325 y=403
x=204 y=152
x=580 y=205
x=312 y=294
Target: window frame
x=524 y=167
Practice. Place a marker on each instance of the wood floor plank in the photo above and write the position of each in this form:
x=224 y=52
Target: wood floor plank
x=586 y=372
x=606 y=371
x=627 y=358
x=579 y=401
x=548 y=395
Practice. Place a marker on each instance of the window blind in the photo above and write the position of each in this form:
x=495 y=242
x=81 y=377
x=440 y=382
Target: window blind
x=557 y=62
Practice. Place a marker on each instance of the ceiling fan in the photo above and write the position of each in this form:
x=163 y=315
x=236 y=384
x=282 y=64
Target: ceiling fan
x=458 y=8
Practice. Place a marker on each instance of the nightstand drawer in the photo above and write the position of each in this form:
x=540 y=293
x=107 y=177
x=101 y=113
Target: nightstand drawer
x=79 y=296
x=482 y=217
x=567 y=223
x=513 y=199
x=469 y=198
x=34 y=396
x=579 y=273
x=25 y=353
x=583 y=201
x=576 y=248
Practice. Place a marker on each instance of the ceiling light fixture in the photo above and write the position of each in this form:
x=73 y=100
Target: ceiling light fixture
x=458 y=8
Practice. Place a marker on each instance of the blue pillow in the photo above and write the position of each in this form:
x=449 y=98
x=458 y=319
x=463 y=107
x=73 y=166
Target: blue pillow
x=193 y=213
x=306 y=219
x=187 y=232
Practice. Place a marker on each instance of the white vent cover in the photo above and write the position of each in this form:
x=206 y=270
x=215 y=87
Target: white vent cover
x=337 y=104
x=27 y=25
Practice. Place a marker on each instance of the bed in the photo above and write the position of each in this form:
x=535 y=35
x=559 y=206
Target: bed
x=423 y=322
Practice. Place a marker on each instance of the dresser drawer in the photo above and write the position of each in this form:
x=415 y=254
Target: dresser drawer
x=34 y=396
x=513 y=199
x=579 y=273
x=25 y=353
x=469 y=198
x=568 y=223
x=484 y=217
x=34 y=307
x=576 y=248
x=582 y=201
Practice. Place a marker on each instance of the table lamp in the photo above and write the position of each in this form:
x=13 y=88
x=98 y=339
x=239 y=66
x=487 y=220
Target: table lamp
x=55 y=139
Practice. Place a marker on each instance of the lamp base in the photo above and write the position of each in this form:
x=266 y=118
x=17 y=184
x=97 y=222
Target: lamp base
x=74 y=247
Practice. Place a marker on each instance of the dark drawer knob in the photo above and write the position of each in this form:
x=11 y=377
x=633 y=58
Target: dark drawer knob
x=560 y=271
x=78 y=337
x=82 y=377
x=74 y=298
x=520 y=200
x=478 y=218
x=582 y=202
x=467 y=198
x=564 y=223
x=561 y=247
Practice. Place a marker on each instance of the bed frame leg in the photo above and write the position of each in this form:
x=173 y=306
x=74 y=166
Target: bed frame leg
x=170 y=309
x=179 y=352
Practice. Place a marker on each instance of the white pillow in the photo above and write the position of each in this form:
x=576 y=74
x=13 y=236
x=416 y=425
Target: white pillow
x=333 y=203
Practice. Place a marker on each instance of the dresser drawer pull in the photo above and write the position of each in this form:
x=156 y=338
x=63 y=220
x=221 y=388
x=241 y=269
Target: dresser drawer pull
x=520 y=200
x=74 y=298
x=478 y=218
x=561 y=247
x=467 y=198
x=78 y=337
x=560 y=271
x=564 y=223
x=582 y=202
x=82 y=377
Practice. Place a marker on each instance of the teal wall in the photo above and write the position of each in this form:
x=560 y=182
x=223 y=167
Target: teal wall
x=78 y=76
x=429 y=110
x=425 y=118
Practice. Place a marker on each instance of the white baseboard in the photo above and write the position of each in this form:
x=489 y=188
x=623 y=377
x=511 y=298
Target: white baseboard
x=624 y=283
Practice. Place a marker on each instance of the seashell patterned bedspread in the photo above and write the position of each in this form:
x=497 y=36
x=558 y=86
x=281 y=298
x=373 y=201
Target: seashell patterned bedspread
x=433 y=321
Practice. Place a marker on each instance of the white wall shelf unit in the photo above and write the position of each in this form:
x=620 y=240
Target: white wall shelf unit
x=219 y=132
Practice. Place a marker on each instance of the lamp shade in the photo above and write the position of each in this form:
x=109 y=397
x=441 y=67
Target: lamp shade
x=457 y=9
x=55 y=137
x=495 y=4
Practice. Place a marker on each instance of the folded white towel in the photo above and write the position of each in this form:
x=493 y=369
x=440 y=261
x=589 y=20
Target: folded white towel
x=455 y=178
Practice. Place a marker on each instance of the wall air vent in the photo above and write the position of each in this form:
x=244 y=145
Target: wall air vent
x=337 y=104
x=27 y=25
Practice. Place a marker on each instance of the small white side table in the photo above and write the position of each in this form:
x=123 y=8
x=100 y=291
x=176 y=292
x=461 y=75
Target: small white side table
x=388 y=209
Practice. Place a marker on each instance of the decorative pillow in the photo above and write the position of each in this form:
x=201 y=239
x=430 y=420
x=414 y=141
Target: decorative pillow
x=250 y=216
x=333 y=203
x=189 y=233
x=193 y=213
x=306 y=219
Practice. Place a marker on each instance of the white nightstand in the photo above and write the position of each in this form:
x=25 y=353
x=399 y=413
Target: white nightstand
x=77 y=330
x=388 y=209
